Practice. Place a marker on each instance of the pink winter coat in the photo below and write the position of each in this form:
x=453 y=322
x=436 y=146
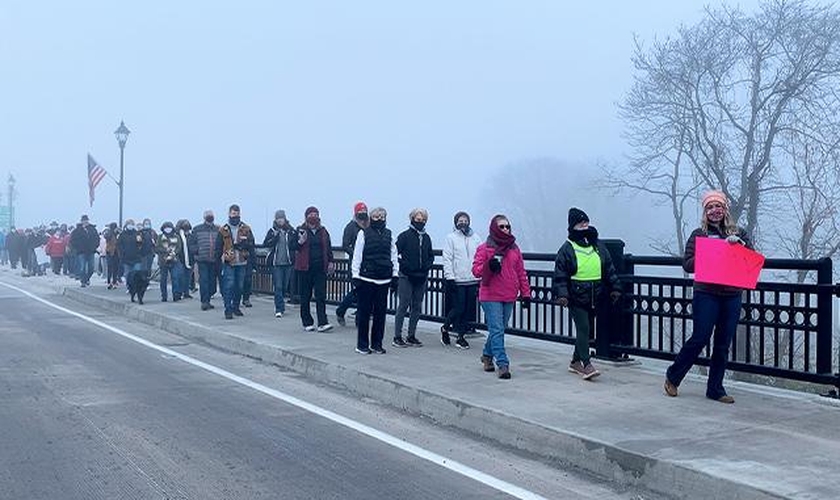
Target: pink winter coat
x=506 y=286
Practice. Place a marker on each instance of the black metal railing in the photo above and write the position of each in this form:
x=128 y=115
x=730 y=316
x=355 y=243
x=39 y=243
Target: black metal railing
x=785 y=329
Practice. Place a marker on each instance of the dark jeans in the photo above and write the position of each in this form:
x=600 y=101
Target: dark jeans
x=313 y=281
x=410 y=297
x=233 y=278
x=349 y=300
x=718 y=313
x=461 y=316
x=280 y=277
x=56 y=263
x=248 y=284
x=373 y=302
x=208 y=277
x=86 y=263
x=114 y=267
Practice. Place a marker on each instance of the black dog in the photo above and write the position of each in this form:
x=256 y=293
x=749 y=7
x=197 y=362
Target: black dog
x=138 y=282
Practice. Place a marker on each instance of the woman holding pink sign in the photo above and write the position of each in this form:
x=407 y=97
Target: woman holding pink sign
x=715 y=307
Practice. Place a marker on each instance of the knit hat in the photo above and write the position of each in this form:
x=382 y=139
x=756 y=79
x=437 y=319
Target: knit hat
x=85 y=218
x=576 y=216
x=280 y=214
x=309 y=210
x=715 y=195
x=359 y=207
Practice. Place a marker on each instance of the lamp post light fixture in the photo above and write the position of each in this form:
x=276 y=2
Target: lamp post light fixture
x=121 y=134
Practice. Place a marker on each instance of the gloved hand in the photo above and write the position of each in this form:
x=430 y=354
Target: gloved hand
x=525 y=302
x=395 y=284
x=495 y=265
x=733 y=239
x=563 y=301
x=615 y=295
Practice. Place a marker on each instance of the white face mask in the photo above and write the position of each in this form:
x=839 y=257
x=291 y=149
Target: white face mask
x=129 y=227
x=167 y=230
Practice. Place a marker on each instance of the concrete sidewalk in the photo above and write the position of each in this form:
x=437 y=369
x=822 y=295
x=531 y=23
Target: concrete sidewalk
x=770 y=444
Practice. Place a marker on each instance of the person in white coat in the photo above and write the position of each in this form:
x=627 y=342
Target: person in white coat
x=461 y=286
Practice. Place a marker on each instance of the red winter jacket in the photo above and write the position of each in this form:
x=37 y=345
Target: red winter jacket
x=507 y=285
x=56 y=245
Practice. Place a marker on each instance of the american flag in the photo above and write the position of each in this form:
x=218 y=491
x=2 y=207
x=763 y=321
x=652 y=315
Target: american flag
x=95 y=175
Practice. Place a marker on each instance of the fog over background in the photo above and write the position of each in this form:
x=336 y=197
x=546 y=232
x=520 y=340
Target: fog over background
x=289 y=104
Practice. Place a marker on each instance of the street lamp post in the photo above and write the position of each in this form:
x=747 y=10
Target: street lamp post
x=122 y=137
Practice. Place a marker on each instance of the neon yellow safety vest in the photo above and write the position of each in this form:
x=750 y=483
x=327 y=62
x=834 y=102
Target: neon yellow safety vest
x=588 y=263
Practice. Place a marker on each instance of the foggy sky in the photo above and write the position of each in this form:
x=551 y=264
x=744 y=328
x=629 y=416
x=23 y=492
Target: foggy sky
x=290 y=104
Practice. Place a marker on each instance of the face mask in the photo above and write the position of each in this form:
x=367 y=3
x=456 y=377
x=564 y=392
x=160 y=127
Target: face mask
x=167 y=230
x=420 y=226
x=377 y=224
x=129 y=227
x=463 y=227
x=362 y=216
x=234 y=221
x=209 y=219
x=147 y=226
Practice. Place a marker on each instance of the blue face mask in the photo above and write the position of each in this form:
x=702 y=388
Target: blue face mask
x=129 y=227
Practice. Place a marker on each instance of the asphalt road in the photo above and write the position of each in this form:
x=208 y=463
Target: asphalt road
x=87 y=414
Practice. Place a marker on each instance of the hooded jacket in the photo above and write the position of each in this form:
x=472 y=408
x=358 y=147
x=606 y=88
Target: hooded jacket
x=458 y=255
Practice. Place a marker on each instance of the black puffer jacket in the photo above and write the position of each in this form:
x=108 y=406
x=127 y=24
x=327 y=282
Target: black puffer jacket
x=583 y=293
x=415 y=254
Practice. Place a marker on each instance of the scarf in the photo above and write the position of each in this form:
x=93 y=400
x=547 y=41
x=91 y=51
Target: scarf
x=499 y=239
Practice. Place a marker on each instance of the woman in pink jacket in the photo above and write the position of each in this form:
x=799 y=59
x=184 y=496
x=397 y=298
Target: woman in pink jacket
x=498 y=263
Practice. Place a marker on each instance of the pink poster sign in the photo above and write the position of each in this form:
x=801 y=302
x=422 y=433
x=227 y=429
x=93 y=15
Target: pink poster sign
x=722 y=263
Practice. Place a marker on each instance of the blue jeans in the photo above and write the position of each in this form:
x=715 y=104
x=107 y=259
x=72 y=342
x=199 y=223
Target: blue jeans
x=233 y=279
x=718 y=313
x=496 y=315
x=86 y=263
x=280 y=276
x=174 y=270
x=208 y=276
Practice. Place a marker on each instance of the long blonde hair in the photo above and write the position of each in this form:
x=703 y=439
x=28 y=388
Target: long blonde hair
x=729 y=225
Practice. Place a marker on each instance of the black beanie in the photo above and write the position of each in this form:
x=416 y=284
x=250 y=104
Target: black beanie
x=576 y=216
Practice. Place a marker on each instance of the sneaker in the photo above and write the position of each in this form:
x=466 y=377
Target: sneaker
x=670 y=389
x=341 y=320
x=210 y=306
x=444 y=336
x=205 y=307
x=589 y=372
x=325 y=328
x=310 y=328
x=398 y=342
x=377 y=350
x=413 y=342
x=462 y=343
x=247 y=303
x=237 y=312
x=363 y=351
x=504 y=372
x=576 y=367
x=228 y=315
x=487 y=361
x=278 y=315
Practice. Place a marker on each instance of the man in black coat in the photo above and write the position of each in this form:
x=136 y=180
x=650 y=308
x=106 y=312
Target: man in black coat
x=85 y=241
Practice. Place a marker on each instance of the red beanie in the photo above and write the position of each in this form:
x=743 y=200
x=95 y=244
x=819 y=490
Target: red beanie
x=359 y=207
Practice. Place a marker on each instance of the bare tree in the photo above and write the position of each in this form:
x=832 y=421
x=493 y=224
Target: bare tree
x=721 y=97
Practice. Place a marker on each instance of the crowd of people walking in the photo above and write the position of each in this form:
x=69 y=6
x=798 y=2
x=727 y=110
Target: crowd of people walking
x=222 y=257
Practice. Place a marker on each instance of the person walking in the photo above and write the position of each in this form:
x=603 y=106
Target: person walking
x=461 y=286
x=133 y=248
x=359 y=222
x=498 y=263
x=169 y=255
x=152 y=236
x=85 y=240
x=375 y=270
x=714 y=308
x=112 y=234
x=415 y=256
x=183 y=229
x=234 y=243
x=278 y=239
x=203 y=247
x=313 y=262
x=4 y=254
x=54 y=248
x=584 y=280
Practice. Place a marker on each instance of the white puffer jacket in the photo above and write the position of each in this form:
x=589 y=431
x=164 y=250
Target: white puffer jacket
x=458 y=254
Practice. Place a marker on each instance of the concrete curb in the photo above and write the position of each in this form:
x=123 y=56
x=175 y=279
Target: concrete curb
x=604 y=460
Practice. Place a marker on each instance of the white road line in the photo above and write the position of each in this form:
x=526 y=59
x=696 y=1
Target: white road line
x=464 y=470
